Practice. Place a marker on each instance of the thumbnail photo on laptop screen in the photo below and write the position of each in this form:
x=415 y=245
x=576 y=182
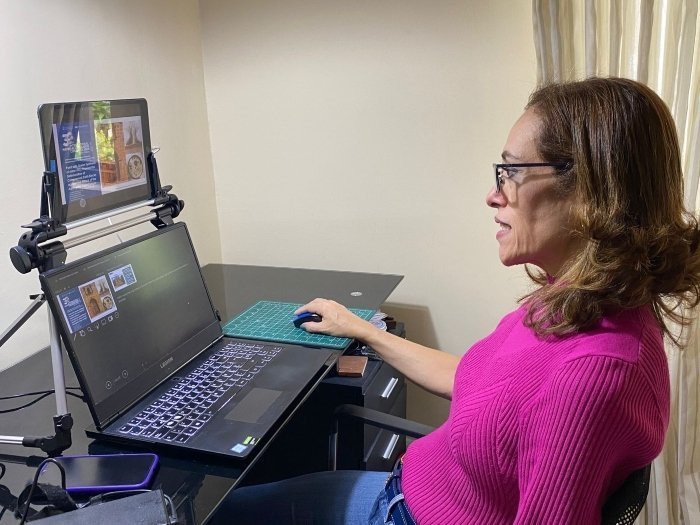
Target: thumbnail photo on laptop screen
x=94 y=301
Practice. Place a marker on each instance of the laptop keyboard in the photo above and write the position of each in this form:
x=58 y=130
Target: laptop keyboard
x=184 y=409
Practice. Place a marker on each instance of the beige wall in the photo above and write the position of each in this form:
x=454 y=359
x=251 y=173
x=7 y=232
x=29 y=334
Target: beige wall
x=360 y=136
x=63 y=50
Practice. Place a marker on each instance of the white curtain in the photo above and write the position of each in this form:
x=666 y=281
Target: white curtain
x=656 y=42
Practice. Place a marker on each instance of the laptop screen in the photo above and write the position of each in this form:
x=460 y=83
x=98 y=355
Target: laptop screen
x=131 y=315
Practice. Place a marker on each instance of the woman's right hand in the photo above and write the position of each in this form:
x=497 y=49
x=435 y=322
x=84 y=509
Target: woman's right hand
x=335 y=320
x=427 y=367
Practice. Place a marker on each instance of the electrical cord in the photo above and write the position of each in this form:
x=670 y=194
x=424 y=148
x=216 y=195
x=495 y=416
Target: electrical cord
x=42 y=394
x=111 y=496
x=168 y=505
x=35 y=482
x=3 y=469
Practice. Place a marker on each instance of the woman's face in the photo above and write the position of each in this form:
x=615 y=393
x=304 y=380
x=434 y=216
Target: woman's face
x=533 y=217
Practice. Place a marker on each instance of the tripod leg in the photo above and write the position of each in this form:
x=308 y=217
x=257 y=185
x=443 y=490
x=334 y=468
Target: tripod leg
x=59 y=379
x=37 y=301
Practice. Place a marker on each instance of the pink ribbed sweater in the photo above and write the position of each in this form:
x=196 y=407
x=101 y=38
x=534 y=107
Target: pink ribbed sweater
x=541 y=432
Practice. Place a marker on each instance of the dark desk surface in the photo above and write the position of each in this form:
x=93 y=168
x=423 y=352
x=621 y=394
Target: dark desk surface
x=235 y=287
x=195 y=485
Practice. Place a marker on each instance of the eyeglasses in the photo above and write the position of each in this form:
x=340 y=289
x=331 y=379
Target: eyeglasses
x=505 y=171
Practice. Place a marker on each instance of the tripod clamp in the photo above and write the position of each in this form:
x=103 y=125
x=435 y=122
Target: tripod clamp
x=52 y=445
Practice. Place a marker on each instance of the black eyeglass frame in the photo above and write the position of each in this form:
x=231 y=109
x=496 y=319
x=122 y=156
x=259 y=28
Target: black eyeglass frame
x=561 y=166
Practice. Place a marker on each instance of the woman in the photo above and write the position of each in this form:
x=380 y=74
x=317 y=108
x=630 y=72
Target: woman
x=570 y=393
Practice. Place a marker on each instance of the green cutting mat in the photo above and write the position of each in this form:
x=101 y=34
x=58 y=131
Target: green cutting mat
x=272 y=321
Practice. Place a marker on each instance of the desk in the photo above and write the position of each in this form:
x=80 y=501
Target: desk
x=196 y=486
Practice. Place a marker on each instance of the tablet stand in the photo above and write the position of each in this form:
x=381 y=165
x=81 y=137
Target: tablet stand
x=33 y=251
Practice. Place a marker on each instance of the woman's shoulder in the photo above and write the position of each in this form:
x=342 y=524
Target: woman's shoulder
x=628 y=335
x=618 y=360
x=622 y=357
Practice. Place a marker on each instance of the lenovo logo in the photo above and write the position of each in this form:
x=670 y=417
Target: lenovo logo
x=166 y=362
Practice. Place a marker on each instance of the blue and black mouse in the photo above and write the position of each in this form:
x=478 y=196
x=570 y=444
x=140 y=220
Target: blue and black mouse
x=306 y=317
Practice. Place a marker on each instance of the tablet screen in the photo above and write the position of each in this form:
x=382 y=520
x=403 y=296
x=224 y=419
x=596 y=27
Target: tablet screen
x=98 y=151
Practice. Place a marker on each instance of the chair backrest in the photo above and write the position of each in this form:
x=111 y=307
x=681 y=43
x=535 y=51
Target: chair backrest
x=625 y=504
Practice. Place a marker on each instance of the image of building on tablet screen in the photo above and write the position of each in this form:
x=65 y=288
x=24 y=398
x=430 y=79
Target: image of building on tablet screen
x=120 y=153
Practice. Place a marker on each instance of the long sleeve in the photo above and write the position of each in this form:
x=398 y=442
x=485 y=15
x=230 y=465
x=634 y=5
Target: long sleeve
x=589 y=422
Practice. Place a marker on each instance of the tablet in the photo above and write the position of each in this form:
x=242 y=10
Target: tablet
x=98 y=154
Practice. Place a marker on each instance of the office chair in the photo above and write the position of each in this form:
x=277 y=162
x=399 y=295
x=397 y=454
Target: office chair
x=621 y=508
x=625 y=504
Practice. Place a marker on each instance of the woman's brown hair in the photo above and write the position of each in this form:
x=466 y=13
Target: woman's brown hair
x=640 y=246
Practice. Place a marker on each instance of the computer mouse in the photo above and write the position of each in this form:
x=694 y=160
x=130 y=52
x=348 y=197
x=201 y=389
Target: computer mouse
x=305 y=317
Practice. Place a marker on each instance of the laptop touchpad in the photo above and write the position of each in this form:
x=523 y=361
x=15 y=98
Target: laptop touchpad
x=251 y=407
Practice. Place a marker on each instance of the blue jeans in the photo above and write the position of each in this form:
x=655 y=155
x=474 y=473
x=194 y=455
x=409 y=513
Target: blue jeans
x=343 y=497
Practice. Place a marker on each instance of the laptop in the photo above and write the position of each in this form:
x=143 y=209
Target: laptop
x=147 y=347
